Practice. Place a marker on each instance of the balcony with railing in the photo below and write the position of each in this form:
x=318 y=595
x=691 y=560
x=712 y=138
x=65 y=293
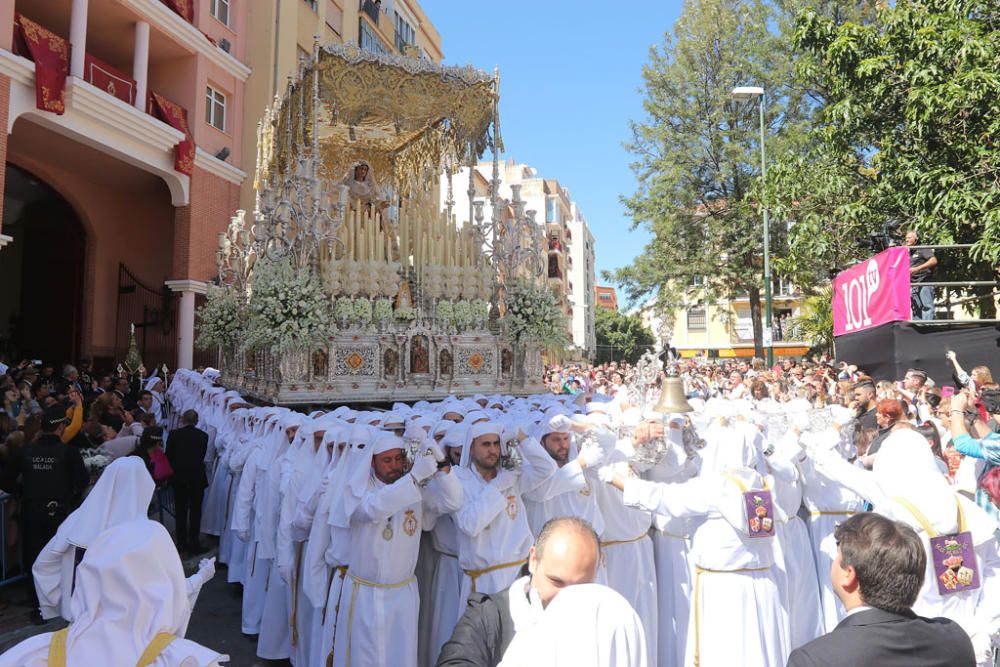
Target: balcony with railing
x=371 y=9
x=90 y=97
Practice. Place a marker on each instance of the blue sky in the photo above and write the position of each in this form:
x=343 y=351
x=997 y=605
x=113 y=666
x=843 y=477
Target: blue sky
x=570 y=78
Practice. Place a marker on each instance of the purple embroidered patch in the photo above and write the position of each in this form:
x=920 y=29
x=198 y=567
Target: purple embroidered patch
x=760 y=513
x=954 y=563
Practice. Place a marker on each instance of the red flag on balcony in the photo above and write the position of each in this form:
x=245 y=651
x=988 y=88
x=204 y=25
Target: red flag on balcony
x=50 y=52
x=175 y=116
x=102 y=75
x=184 y=8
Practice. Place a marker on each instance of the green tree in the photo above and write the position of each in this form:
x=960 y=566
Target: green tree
x=907 y=132
x=815 y=322
x=697 y=152
x=620 y=336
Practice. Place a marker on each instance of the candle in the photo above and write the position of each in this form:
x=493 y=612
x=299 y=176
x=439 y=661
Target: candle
x=222 y=240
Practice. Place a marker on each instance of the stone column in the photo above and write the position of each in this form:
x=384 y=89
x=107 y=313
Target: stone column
x=77 y=37
x=140 y=64
x=185 y=318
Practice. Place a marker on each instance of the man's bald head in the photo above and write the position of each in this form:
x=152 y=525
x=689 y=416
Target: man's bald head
x=565 y=553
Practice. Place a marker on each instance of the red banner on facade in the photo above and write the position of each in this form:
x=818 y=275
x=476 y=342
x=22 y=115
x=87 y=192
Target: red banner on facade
x=184 y=8
x=50 y=52
x=101 y=75
x=175 y=116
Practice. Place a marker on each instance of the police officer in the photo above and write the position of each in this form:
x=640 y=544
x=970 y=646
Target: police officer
x=53 y=479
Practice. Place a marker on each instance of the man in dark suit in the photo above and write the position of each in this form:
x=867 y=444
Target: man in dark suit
x=877 y=575
x=186 y=450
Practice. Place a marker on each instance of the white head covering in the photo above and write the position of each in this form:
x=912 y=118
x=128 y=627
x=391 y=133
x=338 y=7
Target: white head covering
x=129 y=587
x=121 y=494
x=587 y=625
x=904 y=468
x=725 y=449
x=386 y=441
x=352 y=480
x=476 y=430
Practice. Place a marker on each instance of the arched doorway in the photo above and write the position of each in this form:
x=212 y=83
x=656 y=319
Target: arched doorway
x=41 y=272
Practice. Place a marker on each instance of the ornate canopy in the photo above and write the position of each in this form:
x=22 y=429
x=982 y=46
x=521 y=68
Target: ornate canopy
x=407 y=117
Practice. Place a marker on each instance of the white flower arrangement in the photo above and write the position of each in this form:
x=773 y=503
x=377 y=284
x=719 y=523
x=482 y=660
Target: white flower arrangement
x=445 y=312
x=343 y=309
x=288 y=308
x=222 y=319
x=464 y=315
x=481 y=310
x=363 y=310
x=533 y=315
x=383 y=309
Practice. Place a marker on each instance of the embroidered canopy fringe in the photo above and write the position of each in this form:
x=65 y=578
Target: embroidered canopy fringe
x=175 y=116
x=50 y=52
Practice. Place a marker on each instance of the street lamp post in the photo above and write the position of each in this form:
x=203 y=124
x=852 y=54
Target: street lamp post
x=745 y=94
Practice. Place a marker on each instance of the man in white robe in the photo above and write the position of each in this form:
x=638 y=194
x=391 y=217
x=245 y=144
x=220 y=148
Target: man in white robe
x=906 y=485
x=380 y=599
x=493 y=532
x=122 y=494
x=131 y=600
x=736 y=614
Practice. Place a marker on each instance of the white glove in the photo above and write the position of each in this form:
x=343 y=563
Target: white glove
x=606 y=474
x=431 y=448
x=561 y=423
x=424 y=467
x=414 y=431
x=244 y=535
x=206 y=569
x=591 y=456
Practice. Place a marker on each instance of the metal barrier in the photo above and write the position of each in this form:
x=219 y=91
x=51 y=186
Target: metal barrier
x=5 y=570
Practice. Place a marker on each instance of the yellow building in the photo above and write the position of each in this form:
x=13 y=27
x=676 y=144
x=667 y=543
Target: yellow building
x=723 y=328
x=281 y=33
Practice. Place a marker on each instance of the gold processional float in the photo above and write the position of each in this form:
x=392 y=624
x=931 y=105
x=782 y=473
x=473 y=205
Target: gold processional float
x=348 y=192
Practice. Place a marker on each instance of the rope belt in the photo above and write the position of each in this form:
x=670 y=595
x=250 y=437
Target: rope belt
x=295 y=595
x=831 y=513
x=57 y=649
x=475 y=574
x=611 y=543
x=342 y=570
x=358 y=582
x=698 y=571
x=229 y=497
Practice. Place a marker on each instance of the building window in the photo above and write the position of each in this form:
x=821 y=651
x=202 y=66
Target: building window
x=785 y=288
x=696 y=319
x=697 y=281
x=220 y=10
x=370 y=41
x=551 y=210
x=405 y=34
x=215 y=108
x=312 y=4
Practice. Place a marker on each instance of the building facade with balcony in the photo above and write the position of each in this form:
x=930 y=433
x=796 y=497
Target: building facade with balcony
x=122 y=161
x=582 y=277
x=723 y=328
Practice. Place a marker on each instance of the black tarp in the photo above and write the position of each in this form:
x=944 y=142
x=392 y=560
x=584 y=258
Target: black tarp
x=886 y=351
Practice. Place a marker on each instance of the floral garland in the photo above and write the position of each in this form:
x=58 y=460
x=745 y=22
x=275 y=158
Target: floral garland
x=533 y=315
x=222 y=319
x=383 y=309
x=445 y=312
x=288 y=308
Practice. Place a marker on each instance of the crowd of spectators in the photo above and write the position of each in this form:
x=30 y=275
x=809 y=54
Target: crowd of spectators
x=960 y=421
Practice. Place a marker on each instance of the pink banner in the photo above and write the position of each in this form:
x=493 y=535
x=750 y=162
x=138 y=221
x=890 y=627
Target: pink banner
x=873 y=292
